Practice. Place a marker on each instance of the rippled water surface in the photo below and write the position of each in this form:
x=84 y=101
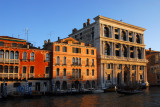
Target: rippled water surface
x=150 y=98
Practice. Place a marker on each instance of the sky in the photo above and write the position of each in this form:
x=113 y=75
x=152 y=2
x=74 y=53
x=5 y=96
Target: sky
x=50 y=19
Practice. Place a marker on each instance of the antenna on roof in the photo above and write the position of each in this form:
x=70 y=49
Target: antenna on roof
x=26 y=34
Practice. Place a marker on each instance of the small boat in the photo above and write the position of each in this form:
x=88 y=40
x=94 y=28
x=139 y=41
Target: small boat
x=128 y=92
x=110 y=89
x=98 y=91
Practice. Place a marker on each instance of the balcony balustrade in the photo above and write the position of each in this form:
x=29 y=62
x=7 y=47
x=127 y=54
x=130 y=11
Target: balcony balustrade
x=31 y=75
x=122 y=58
x=12 y=61
x=9 y=75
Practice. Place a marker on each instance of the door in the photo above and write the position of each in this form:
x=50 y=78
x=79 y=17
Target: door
x=37 y=86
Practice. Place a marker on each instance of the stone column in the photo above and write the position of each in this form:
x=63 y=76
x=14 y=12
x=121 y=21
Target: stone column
x=136 y=52
x=113 y=32
x=142 y=39
x=122 y=74
x=138 y=73
x=127 y=35
x=111 y=49
x=102 y=48
x=120 y=50
x=145 y=70
x=110 y=31
x=128 y=51
x=102 y=30
x=134 y=37
x=130 y=73
x=144 y=53
x=115 y=74
x=119 y=32
x=102 y=75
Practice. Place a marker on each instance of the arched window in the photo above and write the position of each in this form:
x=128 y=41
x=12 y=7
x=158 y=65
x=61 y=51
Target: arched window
x=64 y=60
x=24 y=55
x=76 y=61
x=124 y=35
x=1 y=69
x=139 y=54
x=79 y=73
x=11 y=69
x=92 y=72
x=79 y=61
x=32 y=56
x=137 y=38
x=64 y=49
x=64 y=72
x=58 y=59
x=16 y=69
x=107 y=49
x=92 y=62
x=5 y=69
x=11 y=55
x=1 y=53
x=87 y=72
x=73 y=73
x=76 y=73
x=57 y=71
x=87 y=62
x=16 y=55
x=57 y=48
x=24 y=69
x=106 y=31
x=7 y=54
x=73 y=60
x=125 y=51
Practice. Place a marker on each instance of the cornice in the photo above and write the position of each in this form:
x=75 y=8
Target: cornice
x=118 y=22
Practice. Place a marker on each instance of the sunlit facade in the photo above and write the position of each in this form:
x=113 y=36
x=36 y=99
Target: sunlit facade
x=120 y=50
x=19 y=62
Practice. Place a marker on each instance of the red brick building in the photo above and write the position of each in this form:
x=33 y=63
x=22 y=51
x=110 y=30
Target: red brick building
x=20 y=61
x=153 y=67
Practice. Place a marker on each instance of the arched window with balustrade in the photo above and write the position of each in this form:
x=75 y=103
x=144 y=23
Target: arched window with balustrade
x=107 y=49
x=106 y=32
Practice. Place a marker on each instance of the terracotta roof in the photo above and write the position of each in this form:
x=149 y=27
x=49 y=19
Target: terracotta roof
x=12 y=38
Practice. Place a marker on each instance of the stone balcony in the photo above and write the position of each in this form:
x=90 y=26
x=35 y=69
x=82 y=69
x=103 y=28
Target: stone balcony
x=11 y=61
x=9 y=75
x=122 y=58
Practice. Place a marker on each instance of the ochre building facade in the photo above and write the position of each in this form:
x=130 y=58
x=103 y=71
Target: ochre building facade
x=74 y=64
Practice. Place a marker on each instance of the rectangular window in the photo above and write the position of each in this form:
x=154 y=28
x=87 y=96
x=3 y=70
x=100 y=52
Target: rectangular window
x=108 y=66
x=32 y=69
x=92 y=52
x=141 y=77
x=20 y=45
x=92 y=62
x=57 y=71
x=109 y=76
x=1 y=43
x=76 y=50
x=87 y=51
x=47 y=57
x=64 y=72
x=47 y=70
x=87 y=72
x=14 y=44
x=64 y=49
x=57 y=48
x=79 y=73
x=93 y=72
x=24 y=69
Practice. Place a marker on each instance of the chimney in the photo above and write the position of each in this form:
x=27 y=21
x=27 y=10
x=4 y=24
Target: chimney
x=49 y=41
x=27 y=46
x=58 y=38
x=74 y=30
x=88 y=22
x=150 y=49
x=45 y=42
x=84 y=25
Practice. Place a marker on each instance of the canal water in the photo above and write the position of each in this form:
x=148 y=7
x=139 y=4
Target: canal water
x=150 y=98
